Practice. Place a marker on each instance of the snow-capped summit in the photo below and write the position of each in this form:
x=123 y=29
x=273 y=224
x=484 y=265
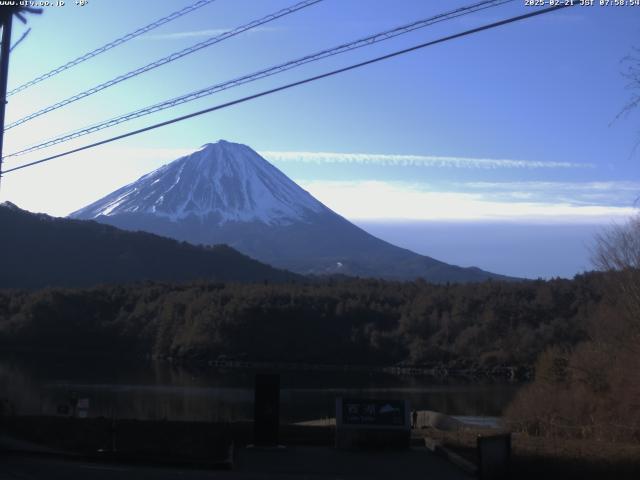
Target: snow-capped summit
x=227 y=193
x=221 y=182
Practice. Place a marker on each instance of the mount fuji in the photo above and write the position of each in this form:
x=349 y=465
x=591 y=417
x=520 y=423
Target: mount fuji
x=227 y=193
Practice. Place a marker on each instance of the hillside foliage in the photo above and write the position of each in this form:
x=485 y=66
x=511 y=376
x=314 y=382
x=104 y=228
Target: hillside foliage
x=331 y=321
x=46 y=251
x=592 y=390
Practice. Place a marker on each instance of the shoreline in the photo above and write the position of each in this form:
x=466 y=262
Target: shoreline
x=441 y=370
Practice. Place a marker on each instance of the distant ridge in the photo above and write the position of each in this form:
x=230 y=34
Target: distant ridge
x=227 y=193
x=41 y=251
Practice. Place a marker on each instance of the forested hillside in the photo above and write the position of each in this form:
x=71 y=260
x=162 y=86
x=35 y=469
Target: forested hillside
x=349 y=321
x=41 y=251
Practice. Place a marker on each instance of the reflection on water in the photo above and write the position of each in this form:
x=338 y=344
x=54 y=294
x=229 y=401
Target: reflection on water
x=157 y=390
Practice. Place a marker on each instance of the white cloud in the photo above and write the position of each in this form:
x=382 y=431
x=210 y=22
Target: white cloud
x=209 y=32
x=618 y=193
x=189 y=34
x=400 y=201
x=414 y=160
x=575 y=186
x=67 y=184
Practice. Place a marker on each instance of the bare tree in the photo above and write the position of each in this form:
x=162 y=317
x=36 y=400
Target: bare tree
x=617 y=250
x=631 y=72
x=618 y=247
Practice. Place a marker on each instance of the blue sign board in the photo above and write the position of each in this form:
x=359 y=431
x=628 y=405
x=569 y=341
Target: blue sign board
x=372 y=412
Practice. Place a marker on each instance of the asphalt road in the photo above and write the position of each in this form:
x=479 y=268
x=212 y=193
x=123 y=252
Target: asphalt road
x=290 y=463
x=36 y=468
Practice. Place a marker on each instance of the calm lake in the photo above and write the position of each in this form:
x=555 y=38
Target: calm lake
x=158 y=390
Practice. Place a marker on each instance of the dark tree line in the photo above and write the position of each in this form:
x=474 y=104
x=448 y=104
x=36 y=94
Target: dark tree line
x=333 y=321
x=47 y=251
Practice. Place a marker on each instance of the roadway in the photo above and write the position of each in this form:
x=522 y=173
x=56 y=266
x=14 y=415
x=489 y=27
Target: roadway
x=295 y=462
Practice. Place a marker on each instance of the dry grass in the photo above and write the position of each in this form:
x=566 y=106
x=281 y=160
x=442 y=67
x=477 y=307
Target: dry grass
x=538 y=457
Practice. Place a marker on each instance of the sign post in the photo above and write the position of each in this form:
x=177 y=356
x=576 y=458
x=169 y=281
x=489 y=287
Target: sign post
x=266 y=423
x=372 y=423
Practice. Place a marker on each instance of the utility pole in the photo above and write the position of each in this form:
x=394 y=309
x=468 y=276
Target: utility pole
x=6 y=19
x=5 y=49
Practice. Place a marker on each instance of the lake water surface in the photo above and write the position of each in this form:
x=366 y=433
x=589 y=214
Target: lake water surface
x=158 y=390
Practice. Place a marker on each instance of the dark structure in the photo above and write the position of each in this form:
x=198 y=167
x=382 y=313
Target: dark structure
x=6 y=17
x=494 y=456
x=266 y=424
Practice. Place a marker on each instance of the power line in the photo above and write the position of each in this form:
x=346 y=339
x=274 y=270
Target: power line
x=112 y=44
x=346 y=47
x=295 y=84
x=19 y=41
x=168 y=59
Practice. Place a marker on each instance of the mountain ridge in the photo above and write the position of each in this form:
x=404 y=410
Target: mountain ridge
x=260 y=191
x=49 y=251
x=227 y=193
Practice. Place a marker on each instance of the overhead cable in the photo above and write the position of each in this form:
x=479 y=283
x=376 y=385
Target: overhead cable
x=295 y=84
x=189 y=97
x=110 y=45
x=164 y=60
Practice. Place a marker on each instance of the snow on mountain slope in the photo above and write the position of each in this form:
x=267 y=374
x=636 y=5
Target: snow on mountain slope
x=223 y=181
x=225 y=193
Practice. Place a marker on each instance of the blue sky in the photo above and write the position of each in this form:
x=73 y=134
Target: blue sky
x=510 y=127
